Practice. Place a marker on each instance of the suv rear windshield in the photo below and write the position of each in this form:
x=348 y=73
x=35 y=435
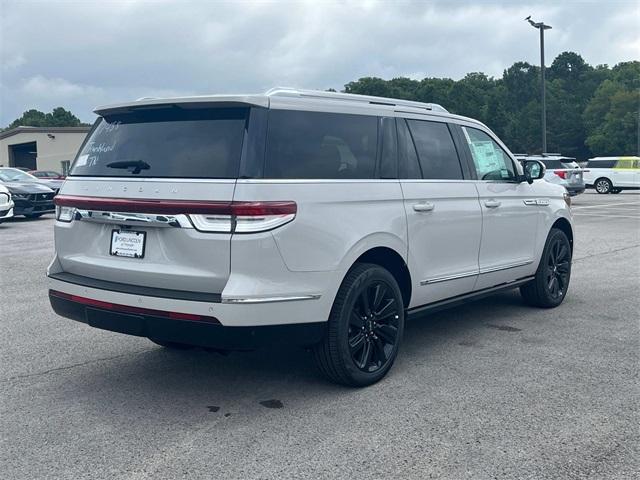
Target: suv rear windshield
x=165 y=142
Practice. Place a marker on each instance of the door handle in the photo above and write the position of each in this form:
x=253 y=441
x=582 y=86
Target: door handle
x=424 y=207
x=492 y=203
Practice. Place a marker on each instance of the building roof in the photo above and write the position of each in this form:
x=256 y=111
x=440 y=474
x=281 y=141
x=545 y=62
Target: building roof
x=17 y=130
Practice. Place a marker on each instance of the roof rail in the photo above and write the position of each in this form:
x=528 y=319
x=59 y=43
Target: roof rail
x=351 y=97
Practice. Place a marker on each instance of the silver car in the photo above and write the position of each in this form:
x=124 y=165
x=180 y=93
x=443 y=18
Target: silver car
x=561 y=170
x=298 y=217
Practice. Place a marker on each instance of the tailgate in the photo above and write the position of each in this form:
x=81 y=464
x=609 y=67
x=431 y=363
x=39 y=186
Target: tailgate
x=174 y=254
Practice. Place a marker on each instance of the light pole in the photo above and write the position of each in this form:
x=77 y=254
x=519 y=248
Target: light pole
x=542 y=27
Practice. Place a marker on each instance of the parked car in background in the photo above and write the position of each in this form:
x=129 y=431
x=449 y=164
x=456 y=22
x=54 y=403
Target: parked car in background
x=561 y=170
x=31 y=198
x=303 y=217
x=613 y=174
x=53 y=180
x=6 y=203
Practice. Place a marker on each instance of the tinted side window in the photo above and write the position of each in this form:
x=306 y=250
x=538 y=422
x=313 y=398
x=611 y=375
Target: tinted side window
x=320 y=145
x=490 y=160
x=601 y=163
x=407 y=156
x=389 y=157
x=436 y=150
x=553 y=164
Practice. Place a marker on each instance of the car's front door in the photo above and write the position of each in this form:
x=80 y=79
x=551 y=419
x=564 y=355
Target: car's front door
x=510 y=212
x=443 y=215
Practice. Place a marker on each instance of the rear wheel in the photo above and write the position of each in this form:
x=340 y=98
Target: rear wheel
x=172 y=345
x=34 y=215
x=603 y=185
x=616 y=190
x=551 y=282
x=364 y=329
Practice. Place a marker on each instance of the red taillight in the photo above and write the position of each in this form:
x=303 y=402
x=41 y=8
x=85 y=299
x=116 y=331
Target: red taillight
x=206 y=216
x=91 y=302
x=561 y=173
x=131 y=205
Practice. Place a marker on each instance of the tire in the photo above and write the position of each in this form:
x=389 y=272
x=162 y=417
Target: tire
x=603 y=185
x=172 y=345
x=551 y=282
x=616 y=190
x=365 y=328
x=34 y=215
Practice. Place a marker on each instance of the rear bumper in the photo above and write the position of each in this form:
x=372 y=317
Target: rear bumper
x=205 y=333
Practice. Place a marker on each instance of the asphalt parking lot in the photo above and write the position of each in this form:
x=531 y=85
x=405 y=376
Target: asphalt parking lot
x=493 y=389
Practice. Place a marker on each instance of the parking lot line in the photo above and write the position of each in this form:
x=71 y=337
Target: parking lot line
x=604 y=215
x=607 y=205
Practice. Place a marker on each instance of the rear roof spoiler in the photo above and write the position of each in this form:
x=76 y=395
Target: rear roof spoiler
x=203 y=101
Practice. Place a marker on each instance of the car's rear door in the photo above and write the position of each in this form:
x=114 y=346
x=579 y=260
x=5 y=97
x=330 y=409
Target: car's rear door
x=145 y=201
x=443 y=216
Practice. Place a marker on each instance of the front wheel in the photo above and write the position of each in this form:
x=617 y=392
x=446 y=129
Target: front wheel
x=364 y=328
x=603 y=185
x=549 y=287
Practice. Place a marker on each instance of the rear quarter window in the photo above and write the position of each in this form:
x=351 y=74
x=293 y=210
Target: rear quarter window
x=324 y=145
x=166 y=142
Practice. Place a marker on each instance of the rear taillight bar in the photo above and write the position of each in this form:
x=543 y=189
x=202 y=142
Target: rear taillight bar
x=176 y=207
x=207 y=216
x=91 y=302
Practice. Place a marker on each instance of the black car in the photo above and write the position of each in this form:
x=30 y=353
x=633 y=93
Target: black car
x=31 y=197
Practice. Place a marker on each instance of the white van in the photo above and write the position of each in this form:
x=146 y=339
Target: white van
x=613 y=174
x=314 y=218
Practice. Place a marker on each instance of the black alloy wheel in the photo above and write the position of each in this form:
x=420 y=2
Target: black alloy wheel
x=365 y=327
x=551 y=282
x=373 y=326
x=558 y=268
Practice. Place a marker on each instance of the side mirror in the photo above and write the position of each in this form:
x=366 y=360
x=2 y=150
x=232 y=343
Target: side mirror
x=533 y=170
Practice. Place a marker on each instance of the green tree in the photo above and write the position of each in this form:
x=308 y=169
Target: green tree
x=59 y=117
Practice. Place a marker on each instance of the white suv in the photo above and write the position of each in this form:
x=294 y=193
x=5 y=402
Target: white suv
x=613 y=174
x=315 y=218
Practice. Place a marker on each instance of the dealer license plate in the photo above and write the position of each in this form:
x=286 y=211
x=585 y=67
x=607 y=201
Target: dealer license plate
x=128 y=243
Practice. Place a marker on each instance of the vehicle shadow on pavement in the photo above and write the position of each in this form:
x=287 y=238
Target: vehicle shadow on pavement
x=160 y=380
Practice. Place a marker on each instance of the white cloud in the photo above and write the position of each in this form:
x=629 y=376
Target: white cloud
x=87 y=53
x=58 y=88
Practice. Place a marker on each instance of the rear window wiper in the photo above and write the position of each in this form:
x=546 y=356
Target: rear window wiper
x=135 y=165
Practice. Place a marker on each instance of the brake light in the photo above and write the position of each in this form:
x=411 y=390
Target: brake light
x=206 y=216
x=561 y=173
x=247 y=217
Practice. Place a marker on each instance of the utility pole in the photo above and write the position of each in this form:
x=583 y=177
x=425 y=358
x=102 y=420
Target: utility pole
x=542 y=27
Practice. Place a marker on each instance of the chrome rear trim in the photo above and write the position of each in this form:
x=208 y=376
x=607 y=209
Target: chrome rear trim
x=133 y=219
x=291 y=298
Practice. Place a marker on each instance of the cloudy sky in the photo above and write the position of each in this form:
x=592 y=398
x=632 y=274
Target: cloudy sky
x=79 y=54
